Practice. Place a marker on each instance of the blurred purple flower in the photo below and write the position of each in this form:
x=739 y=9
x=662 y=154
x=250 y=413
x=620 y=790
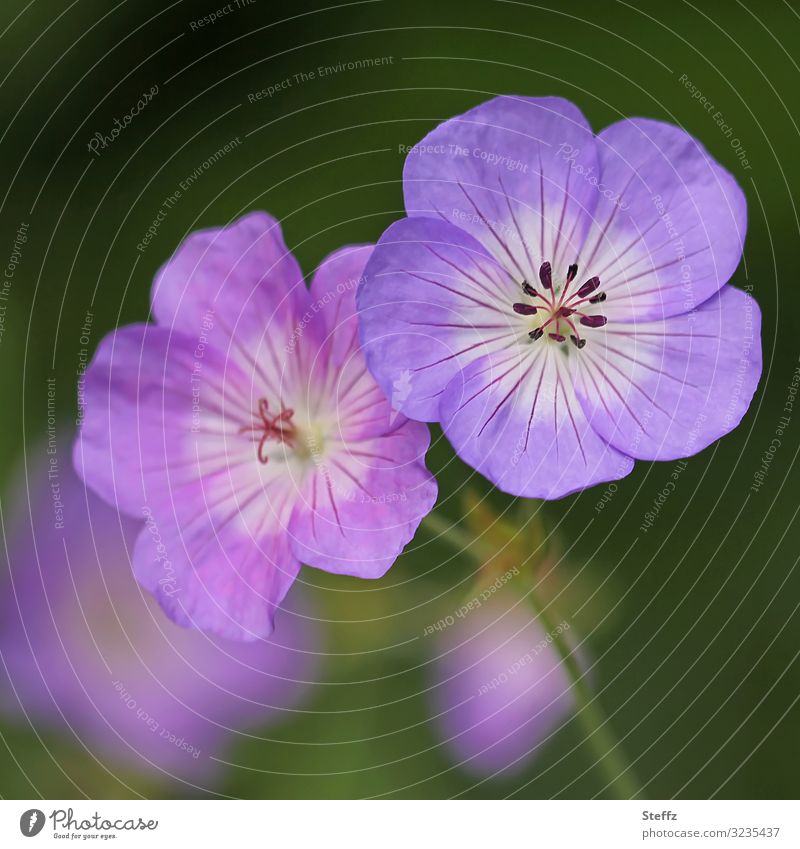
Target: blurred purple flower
x=558 y=297
x=245 y=428
x=83 y=647
x=500 y=689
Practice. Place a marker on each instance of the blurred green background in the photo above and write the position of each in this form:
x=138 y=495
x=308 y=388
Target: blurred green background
x=696 y=627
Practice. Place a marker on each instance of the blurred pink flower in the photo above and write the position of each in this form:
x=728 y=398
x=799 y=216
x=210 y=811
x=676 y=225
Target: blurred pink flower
x=88 y=652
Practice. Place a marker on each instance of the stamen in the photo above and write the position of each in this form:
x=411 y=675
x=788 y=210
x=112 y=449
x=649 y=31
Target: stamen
x=559 y=307
x=593 y=320
x=589 y=286
x=572 y=327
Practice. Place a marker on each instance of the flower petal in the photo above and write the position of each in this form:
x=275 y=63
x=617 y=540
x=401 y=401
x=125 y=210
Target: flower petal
x=662 y=390
x=333 y=296
x=236 y=287
x=216 y=579
x=340 y=392
x=669 y=227
x=365 y=503
x=433 y=300
x=514 y=418
x=161 y=439
x=152 y=406
x=510 y=173
x=350 y=401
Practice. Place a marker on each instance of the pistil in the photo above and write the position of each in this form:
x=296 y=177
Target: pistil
x=272 y=427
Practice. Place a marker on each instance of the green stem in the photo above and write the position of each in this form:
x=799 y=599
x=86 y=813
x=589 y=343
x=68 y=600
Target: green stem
x=607 y=750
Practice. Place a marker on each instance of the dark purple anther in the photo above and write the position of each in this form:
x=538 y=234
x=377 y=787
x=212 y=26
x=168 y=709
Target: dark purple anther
x=566 y=312
x=572 y=272
x=578 y=343
x=546 y=275
x=525 y=309
x=536 y=334
x=589 y=286
x=598 y=298
x=529 y=290
x=557 y=336
x=593 y=320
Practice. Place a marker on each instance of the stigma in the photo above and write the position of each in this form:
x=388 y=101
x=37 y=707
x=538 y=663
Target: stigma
x=271 y=427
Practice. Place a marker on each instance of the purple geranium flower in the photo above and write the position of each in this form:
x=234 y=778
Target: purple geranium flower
x=85 y=651
x=247 y=431
x=556 y=299
x=500 y=689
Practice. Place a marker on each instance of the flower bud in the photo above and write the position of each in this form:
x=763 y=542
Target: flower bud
x=501 y=689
